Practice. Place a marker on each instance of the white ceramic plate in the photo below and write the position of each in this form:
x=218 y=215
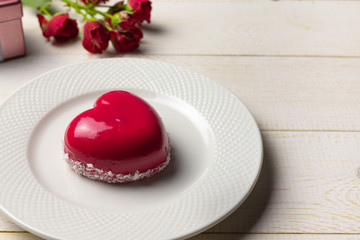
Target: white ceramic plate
x=216 y=155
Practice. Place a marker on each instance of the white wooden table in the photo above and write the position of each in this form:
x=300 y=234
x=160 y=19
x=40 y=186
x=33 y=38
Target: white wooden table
x=295 y=64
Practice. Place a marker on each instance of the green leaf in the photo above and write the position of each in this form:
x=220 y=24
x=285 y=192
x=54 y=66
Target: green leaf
x=115 y=20
x=34 y=3
x=116 y=8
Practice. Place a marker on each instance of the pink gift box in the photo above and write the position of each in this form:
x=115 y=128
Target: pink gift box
x=11 y=33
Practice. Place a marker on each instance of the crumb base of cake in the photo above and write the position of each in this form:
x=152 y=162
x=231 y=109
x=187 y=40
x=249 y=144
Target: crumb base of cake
x=89 y=171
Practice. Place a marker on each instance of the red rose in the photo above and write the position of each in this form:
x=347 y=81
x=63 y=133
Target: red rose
x=142 y=9
x=96 y=37
x=137 y=33
x=61 y=27
x=93 y=2
x=44 y=25
x=124 y=42
x=127 y=20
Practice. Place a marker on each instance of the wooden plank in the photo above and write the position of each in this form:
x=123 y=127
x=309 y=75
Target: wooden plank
x=18 y=236
x=308 y=184
x=275 y=237
x=29 y=236
x=295 y=28
x=290 y=93
x=283 y=93
x=7 y=225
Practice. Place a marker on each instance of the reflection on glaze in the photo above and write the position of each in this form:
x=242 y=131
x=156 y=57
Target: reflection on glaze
x=88 y=127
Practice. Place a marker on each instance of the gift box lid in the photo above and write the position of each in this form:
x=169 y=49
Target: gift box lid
x=8 y=2
x=10 y=9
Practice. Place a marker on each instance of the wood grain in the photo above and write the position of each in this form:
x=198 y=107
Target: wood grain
x=7 y=225
x=283 y=93
x=308 y=184
x=282 y=28
x=275 y=237
x=18 y=236
x=29 y=236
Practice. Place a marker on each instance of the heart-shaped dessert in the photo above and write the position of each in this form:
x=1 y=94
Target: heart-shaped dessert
x=120 y=139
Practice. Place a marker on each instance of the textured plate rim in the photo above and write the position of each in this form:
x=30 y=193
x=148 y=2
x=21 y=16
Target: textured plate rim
x=205 y=226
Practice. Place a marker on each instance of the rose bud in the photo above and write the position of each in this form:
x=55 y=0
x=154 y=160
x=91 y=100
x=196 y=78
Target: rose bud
x=127 y=20
x=44 y=25
x=124 y=42
x=96 y=37
x=137 y=33
x=142 y=9
x=61 y=27
x=124 y=21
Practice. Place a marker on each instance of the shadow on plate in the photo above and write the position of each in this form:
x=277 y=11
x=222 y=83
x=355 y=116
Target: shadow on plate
x=243 y=220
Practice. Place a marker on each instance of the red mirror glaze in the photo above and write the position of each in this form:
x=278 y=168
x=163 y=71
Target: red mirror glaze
x=121 y=134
